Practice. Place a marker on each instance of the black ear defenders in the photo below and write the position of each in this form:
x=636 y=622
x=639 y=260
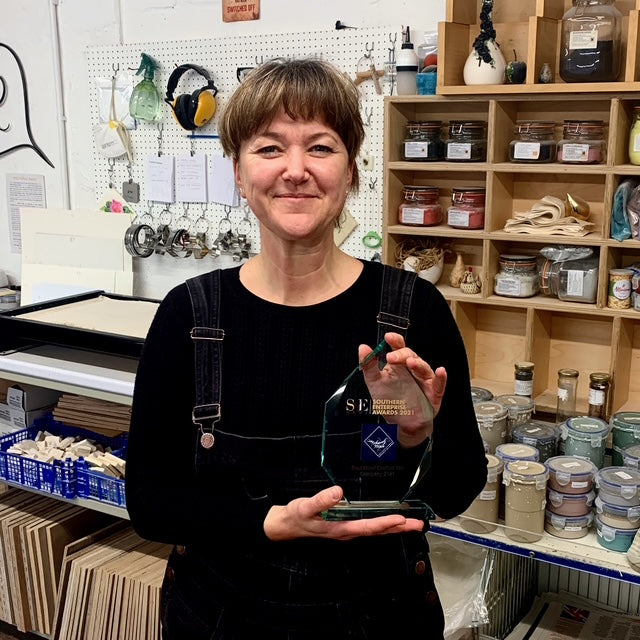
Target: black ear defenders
x=196 y=109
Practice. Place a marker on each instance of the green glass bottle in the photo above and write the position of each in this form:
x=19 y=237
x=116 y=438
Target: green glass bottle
x=145 y=102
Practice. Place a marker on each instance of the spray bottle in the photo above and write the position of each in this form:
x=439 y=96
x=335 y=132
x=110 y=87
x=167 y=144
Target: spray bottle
x=406 y=66
x=145 y=102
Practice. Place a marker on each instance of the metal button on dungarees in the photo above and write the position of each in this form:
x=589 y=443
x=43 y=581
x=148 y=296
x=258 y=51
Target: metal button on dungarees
x=420 y=567
x=170 y=574
x=181 y=549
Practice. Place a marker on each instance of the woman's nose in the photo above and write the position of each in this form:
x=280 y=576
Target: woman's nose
x=296 y=166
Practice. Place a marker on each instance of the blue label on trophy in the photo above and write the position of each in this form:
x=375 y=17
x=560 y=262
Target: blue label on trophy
x=379 y=443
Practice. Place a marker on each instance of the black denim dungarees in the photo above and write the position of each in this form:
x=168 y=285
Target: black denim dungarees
x=208 y=594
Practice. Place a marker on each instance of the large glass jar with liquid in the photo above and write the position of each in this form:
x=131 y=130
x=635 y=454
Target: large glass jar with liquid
x=590 y=49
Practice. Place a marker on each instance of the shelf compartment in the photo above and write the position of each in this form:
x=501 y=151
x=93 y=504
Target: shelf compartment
x=495 y=338
x=568 y=340
x=508 y=113
x=430 y=108
x=514 y=192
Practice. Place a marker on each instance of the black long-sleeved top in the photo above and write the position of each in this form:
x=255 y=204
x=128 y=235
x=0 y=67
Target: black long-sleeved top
x=280 y=365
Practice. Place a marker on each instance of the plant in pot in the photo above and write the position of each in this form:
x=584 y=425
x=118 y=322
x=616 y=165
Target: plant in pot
x=485 y=64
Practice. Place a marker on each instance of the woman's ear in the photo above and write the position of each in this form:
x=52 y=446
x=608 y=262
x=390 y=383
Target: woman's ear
x=238 y=179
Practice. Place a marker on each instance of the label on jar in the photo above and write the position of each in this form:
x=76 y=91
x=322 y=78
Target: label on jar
x=635 y=143
x=526 y=150
x=575 y=282
x=487 y=495
x=620 y=289
x=458 y=150
x=575 y=152
x=596 y=397
x=508 y=286
x=418 y=149
x=458 y=217
x=563 y=394
x=411 y=215
x=523 y=387
x=583 y=39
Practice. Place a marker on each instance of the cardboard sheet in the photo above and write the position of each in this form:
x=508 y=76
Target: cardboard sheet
x=69 y=252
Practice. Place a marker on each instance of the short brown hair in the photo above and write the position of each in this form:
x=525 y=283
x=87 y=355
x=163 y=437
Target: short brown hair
x=305 y=89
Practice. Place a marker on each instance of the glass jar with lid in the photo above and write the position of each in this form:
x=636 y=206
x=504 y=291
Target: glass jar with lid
x=467 y=141
x=570 y=280
x=517 y=277
x=420 y=206
x=590 y=49
x=533 y=141
x=582 y=142
x=467 y=208
x=599 y=384
x=423 y=141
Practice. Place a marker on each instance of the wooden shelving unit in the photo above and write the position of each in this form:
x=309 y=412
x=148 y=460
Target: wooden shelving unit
x=498 y=331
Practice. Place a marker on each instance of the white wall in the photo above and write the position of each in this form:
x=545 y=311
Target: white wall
x=29 y=27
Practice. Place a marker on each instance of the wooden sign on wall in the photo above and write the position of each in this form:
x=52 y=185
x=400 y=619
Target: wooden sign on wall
x=237 y=10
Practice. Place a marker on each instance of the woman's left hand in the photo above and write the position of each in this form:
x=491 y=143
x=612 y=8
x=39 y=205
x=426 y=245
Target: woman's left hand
x=390 y=383
x=301 y=518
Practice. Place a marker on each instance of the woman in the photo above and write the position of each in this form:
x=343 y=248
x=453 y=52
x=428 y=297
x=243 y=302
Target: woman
x=226 y=429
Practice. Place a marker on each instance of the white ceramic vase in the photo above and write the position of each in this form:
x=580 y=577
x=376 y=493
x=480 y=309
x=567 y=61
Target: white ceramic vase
x=477 y=71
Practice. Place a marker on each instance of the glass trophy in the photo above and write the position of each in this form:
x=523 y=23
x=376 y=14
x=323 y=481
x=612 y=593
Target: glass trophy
x=361 y=449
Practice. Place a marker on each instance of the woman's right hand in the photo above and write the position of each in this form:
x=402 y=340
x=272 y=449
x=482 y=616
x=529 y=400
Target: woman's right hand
x=301 y=518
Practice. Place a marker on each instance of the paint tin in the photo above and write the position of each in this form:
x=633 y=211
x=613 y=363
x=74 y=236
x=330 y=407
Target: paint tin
x=625 y=428
x=566 y=526
x=568 y=474
x=617 y=516
x=619 y=485
x=569 y=504
x=631 y=456
x=519 y=408
x=525 y=499
x=541 y=436
x=479 y=394
x=492 y=421
x=585 y=437
x=482 y=514
x=511 y=451
x=613 y=538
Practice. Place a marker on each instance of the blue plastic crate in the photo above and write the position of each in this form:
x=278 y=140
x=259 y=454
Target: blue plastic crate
x=58 y=478
x=97 y=486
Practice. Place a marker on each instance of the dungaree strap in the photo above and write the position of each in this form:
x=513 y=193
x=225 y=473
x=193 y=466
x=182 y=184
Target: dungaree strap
x=395 y=301
x=204 y=292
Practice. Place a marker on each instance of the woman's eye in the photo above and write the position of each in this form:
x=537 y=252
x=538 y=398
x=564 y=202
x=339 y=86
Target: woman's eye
x=321 y=148
x=268 y=150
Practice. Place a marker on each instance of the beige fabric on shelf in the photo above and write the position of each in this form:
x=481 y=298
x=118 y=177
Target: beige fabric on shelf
x=547 y=217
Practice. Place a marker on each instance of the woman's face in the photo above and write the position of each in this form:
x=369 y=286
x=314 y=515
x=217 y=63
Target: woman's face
x=295 y=176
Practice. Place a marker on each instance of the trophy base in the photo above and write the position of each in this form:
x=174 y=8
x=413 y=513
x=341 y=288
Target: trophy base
x=360 y=509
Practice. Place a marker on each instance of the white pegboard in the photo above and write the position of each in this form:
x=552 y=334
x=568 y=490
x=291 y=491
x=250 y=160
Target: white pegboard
x=221 y=57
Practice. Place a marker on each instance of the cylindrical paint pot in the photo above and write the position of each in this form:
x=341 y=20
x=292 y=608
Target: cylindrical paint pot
x=525 y=499
x=482 y=514
x=613 y=538
x=631 y=456
x=492 y=421
x=541 y=436
x=569 y=504
x=616 y=516
x=586 y=438
x=625 y=430
x=520 y=409
x=570 y=527
x=510 y=451
x=568 y=474
x=619 y=485
x=480 y=394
